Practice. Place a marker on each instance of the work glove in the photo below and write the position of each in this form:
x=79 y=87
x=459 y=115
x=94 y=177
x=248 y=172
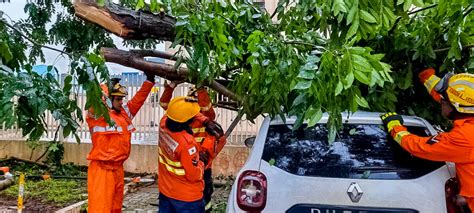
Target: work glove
x=391 y=119
x=213 y=128
x=204 y=156
x=150 y=77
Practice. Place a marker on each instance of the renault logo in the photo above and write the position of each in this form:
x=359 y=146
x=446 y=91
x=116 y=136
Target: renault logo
x=355 y=192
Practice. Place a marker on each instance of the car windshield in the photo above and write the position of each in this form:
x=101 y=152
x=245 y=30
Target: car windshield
x=360 y=151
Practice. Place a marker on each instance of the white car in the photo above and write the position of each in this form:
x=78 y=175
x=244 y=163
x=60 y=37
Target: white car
x=363 y=170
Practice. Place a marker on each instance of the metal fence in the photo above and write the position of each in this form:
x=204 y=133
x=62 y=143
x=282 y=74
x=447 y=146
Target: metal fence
x=147 y=119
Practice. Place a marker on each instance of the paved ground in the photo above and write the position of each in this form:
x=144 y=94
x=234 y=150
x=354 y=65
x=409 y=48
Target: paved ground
x=144 y=198
x=140 y=200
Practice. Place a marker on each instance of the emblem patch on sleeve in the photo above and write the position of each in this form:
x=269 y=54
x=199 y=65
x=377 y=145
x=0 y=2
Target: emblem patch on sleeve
x=432 y=140
x=192 y=150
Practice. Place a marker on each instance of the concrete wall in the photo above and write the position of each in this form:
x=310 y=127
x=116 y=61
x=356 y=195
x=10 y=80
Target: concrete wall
x=143 y=158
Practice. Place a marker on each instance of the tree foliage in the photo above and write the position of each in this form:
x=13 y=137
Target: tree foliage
x=304 y=59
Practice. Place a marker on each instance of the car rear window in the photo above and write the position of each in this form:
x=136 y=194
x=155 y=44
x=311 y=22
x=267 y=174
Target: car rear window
x=360 y=151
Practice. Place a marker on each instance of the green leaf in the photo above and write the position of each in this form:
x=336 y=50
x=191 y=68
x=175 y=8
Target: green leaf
x=222 y=37
x=361 y=101
x=361 y=77
x=339 y=88
x=365 y=175
x=5 y=51
x=315 y=117
x=418 y=3
x=331 y=134
x=306 y=74
x=100 y=3
x=407 y=5
x=154 y=5
x=361 y=63
x=140 y=4
x=271 y=162
x=354 y=27
x=302 y=84
x=352 y=131
x=352 y=12
x=366 y=16
x=349 y=80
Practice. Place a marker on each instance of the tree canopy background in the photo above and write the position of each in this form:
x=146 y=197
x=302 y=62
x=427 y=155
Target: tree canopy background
x=303 y=59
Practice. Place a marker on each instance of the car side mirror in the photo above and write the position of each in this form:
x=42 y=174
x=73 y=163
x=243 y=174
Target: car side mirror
x=249 y=142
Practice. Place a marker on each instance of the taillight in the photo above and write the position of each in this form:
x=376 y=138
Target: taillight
x=252 y=191
x=452 y=199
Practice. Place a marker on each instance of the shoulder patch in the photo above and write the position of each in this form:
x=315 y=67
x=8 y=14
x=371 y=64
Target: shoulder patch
x=192 y=150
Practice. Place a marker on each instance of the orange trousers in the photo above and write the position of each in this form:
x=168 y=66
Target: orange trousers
x=105 y=187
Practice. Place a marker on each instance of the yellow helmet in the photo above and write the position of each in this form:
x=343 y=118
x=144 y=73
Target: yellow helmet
x=180 y=109
x=459 y=90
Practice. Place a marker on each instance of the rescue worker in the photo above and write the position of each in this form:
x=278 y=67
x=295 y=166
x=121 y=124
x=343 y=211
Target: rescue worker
x=111 y=146
x=199 y=132
x=455 y=93
x=181 y=169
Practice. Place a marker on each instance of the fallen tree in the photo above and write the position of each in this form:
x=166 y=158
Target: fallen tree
x=303 y=58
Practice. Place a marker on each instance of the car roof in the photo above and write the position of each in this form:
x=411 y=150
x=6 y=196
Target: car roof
x=360 y=117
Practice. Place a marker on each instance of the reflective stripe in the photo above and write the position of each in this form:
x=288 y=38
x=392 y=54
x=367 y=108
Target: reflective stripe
x=398 y=137
x=392 y=124
x=106 y=129
x=431 y=82
x=462 y=82
x=168 y=161
x=202 y=129
x=199 y=139
x=125 y=107
x=179 y=172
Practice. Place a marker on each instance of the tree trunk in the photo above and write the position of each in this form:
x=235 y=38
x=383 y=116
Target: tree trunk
x=127 y=23
x=166 y=71
x=130 y=24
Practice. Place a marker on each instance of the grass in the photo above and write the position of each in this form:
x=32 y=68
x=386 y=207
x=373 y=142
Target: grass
x=56 y=192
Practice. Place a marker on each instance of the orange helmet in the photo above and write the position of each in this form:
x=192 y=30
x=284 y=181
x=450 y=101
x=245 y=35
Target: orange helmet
x=181 y=109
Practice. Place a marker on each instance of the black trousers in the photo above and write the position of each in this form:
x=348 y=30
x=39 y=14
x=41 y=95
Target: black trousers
x=208 y=186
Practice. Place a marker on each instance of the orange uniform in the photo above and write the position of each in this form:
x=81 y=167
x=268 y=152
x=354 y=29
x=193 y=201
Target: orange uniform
x=199 y=130
x=455 y=146
x=180 y=173
x=110 y=148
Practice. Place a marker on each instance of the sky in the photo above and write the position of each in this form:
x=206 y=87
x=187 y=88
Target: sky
x=14 y=10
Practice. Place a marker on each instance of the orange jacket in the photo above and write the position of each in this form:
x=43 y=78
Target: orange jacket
x=180 y=172
x=455 y=146
x=204 y=101
x=199 y=130
x=112 y=143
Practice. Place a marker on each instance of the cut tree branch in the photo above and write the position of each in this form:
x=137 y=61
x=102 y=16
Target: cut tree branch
x=166 y=71
x=425 y=8
x=127 y=23
x=154 y=53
